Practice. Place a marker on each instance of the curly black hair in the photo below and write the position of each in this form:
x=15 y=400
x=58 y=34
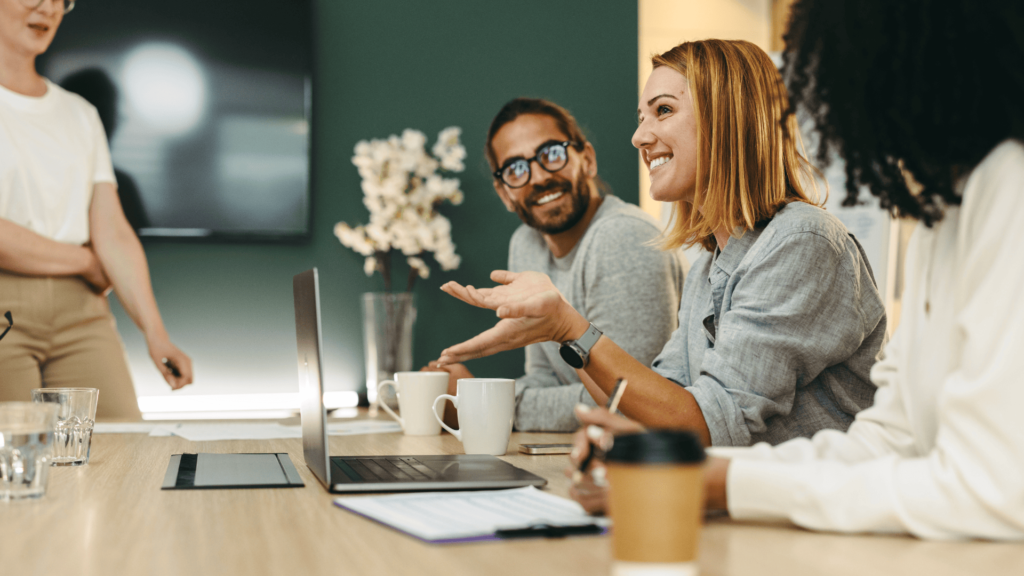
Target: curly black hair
x=927 y=85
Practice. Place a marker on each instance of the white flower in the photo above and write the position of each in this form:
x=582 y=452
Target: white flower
x=353 y=238
x=379 y=235
x=440 y=226
x=419 y=265
x=427 y=166
x=413 y=139
x=448 y=260
x=401 y=189
x=448 y=149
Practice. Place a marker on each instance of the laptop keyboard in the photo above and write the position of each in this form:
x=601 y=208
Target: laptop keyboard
x=383 y=469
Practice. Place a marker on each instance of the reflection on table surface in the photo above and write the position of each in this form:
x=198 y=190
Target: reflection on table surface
x=111 y=517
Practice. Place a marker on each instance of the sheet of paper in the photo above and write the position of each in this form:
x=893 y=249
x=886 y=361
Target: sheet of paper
x=443 y=517
x=362 y=427
x=206 y=432
x=164 y=430
x=234 y=431
x=357 y=427
x=124 y=427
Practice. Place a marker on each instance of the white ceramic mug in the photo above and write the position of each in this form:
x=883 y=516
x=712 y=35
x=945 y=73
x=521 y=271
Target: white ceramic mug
x=486 y=407
x=416 y=392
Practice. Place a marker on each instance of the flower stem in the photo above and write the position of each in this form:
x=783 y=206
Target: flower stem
x=384 y=265
x=412 y=278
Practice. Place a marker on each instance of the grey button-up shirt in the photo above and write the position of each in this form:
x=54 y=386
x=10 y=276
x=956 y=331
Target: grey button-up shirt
x=778 y=331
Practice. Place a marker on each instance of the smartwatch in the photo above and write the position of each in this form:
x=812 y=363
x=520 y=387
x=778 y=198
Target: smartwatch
x=576 y=353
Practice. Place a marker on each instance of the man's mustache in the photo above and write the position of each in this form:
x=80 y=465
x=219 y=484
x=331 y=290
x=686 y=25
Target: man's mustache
x=542 y=190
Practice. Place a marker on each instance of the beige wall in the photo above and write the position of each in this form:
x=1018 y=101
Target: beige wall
x=667 y=23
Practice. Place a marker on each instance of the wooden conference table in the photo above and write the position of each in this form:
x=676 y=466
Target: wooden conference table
x=111 y=518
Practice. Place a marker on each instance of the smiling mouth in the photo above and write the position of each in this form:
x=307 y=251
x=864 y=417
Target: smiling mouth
x=549 y=198
x=39 y=27
x=661 y=160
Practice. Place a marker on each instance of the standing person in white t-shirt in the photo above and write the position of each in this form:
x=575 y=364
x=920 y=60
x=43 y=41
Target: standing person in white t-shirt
x=64 y=239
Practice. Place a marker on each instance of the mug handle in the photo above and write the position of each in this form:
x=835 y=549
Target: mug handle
x=384 y=405
x=455 y=402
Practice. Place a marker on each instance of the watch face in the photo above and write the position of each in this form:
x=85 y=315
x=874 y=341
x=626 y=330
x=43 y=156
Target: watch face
x=571 y=355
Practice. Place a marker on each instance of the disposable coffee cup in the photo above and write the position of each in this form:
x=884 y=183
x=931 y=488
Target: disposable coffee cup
x=655 y=500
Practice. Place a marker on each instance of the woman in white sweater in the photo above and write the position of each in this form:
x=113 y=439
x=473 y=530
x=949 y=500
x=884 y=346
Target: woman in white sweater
x=935 y=128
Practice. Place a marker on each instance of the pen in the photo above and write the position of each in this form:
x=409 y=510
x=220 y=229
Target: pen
x=548 y=531
x=174 y=369
x=613 y=405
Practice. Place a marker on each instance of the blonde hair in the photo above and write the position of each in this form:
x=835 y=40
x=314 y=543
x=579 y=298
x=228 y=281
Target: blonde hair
x=748 y=162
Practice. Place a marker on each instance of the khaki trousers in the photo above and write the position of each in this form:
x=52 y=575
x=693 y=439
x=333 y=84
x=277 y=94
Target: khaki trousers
x=63 y=336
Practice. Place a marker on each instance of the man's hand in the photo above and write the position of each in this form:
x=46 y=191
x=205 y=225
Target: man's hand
x=94 y=273
x=599 y=427
x=531 y=308
x=161 y=349
x=455 y=371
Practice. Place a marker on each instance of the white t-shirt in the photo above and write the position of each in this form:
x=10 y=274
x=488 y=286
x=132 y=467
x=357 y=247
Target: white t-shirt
x=52 y=151
x=941 y=452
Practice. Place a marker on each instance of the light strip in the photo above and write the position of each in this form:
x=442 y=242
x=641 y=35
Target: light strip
x=239 y=402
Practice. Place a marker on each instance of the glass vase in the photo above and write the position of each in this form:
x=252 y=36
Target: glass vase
x=388 y=319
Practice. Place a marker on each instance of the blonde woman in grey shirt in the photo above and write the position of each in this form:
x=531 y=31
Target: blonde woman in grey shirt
x=780 y=321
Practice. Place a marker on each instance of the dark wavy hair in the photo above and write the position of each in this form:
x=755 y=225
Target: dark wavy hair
x=925 y=86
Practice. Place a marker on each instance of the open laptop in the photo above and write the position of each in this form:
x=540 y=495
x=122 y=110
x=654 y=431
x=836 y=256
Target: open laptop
x=376 y=473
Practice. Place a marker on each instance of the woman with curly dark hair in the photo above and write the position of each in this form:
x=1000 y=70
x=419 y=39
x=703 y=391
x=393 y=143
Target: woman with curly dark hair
x=925 y=102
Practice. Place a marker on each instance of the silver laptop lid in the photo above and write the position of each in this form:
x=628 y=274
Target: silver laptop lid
x=306 y=288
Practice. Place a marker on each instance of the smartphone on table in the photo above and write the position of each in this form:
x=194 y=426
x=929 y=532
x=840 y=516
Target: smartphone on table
x=545 y=448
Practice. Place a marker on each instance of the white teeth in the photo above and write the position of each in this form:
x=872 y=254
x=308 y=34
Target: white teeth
x=659 y=161
x=549 y=198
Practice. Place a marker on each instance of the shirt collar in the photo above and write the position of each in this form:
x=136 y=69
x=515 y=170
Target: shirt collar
x=729 y=258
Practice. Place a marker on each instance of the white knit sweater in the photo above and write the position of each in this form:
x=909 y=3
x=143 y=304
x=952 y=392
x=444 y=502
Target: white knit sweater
x=941 y=452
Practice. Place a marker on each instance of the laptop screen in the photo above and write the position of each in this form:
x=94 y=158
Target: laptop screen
x=306 y=287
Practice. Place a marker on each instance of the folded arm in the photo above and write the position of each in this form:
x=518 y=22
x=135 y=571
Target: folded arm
x=22 y=251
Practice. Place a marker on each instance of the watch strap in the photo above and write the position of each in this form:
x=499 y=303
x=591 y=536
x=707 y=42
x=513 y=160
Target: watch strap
x=589 y=338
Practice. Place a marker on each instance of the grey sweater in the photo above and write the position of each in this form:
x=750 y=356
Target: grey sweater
x=625 y=287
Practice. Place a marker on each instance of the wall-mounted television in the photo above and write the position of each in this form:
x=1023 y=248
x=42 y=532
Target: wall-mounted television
x=207 y=109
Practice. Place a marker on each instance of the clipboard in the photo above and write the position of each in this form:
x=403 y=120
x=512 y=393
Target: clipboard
x=214 y=471
x=477 y=516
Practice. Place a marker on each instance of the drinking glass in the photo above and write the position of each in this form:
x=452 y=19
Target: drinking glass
x=76 y=416
x=26 y=442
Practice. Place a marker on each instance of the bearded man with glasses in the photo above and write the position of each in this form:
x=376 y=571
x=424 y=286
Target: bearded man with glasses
x=595 y=247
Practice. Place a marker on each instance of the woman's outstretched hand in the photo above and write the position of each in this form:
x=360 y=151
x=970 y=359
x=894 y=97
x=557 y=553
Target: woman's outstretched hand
x=531 y=308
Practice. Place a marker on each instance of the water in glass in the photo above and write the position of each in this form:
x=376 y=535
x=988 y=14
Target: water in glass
x=26 y=444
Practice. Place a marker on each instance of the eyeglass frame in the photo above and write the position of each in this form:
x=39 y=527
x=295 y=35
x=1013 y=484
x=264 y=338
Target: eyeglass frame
x=536 y=158
x=69 y=5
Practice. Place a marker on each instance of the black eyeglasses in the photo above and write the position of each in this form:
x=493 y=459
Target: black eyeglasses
x=551 y=157
x=66 y=5
x=10 y=324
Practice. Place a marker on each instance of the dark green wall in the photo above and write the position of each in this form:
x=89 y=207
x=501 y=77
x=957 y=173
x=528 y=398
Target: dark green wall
x=383 y=66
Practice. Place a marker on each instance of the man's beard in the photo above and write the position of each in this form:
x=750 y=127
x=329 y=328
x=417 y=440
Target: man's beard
x=560 y=221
